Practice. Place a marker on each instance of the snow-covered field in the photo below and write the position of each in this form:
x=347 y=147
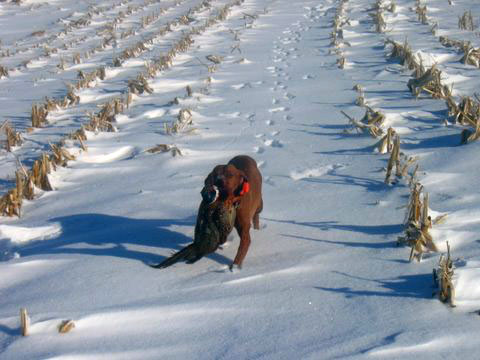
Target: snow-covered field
x=324 y=277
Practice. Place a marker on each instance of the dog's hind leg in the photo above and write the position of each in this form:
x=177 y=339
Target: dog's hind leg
x=256 y=217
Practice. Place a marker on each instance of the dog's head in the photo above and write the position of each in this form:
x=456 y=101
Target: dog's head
x=225 y=182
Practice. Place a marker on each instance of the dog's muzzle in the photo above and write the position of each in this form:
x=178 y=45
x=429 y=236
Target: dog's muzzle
x=210 y=194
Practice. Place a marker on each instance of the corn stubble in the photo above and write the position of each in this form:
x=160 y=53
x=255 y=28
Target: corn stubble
x=12 y=137
x=37 y=177
x=467 y=111
x=371 y=123
x=442 y=278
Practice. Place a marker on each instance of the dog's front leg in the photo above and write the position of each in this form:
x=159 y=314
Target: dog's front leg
x=244 y=233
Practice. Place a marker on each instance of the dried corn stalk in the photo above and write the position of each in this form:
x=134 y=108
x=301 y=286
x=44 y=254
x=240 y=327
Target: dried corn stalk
x=24 y=321
x=39 y=115
x=360 y=101
x=76 y=59
x=471 y=56
x=422 y=14
x=404 y=53
x=66 y=326
x=442 y=278
x=183 y=120
x=165 y=148
x=3 y=71
x=379 y=21
x=385 y=145
x=445 y=41
x=215 y=59
x=12 y=138
x=417 y=224
x=60 y=155
x=465 y=22
x=10 y=203
x=40 y=171
x=103 y=120
x=139 y=86
x=394 y=159
x=428 y=81
x=80 y=136
x=467 y=113
x=371 y=123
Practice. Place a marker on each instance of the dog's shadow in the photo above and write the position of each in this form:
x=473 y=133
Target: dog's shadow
x=106 y=235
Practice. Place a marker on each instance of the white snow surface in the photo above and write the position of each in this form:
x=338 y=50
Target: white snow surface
x=323 y=278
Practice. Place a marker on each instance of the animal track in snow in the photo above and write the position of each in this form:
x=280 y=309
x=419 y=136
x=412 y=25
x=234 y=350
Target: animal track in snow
x=273 y=143
x=241 y=86
x=232 y=115
x=308 y=77
x=268 y=180
x=278 y=109
x=261 y=164
x=315 y=172
x=258 y=149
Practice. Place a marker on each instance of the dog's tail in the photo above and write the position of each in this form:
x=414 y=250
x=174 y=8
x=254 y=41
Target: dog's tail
x=189 y=254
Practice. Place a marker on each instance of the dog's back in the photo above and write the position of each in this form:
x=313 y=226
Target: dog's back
x=251 y=203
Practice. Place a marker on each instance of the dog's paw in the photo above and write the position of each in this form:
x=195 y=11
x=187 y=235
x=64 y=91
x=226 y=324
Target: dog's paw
x=234 y=268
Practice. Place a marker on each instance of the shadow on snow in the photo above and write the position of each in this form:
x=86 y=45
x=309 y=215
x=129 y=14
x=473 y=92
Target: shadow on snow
x=105 y=235
x=411 y=286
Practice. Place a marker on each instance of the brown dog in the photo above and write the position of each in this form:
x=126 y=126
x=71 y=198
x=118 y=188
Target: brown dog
x=239 y=181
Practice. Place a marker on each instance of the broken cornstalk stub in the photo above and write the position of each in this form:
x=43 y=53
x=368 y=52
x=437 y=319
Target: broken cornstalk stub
x=443 y=278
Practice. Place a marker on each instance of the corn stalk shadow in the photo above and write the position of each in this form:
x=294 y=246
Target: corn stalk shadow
x=406 y=286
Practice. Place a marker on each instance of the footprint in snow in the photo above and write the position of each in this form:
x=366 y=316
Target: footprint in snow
x=258 y=149
x=268 y=180
x=278 y=109
x=315 y=172
x=241 y=86
x=273 y=143
x=232 y=115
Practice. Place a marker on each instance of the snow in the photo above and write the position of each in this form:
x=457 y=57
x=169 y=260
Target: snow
x=324 y=277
